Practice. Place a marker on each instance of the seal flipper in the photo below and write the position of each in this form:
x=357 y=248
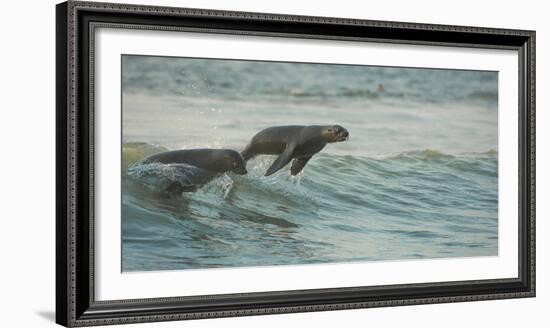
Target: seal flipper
x=281 y=161
x=298 y=164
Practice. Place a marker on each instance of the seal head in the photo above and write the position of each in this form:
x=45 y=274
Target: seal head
x=234 y=162
x=335 y=133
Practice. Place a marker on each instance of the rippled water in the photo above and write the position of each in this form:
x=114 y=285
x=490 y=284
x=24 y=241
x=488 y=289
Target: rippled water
x=417 y=179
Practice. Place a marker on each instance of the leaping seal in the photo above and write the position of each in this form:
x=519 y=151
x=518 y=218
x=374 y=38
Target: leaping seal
x=298 y=142
x=211 y=161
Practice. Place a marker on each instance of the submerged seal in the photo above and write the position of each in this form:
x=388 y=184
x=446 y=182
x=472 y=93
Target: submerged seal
x=298 y=142
x=211 y=161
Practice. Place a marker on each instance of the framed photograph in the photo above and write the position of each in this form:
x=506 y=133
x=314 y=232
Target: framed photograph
x=214 y=163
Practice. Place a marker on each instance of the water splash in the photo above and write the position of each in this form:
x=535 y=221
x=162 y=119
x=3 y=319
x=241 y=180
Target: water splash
x=159 y=176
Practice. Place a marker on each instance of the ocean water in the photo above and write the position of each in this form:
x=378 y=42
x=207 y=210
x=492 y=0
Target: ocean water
x=416 y=180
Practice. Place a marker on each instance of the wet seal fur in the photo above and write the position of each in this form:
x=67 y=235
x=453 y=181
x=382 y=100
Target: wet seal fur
x=213 y=161
x=298 y=142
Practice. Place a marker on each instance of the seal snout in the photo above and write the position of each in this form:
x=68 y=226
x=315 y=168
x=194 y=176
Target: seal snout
x=341 y=134
x=344 y=135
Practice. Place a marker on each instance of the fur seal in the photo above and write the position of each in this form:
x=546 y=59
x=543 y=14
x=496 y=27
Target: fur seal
x=298 y=142
x=211 y=162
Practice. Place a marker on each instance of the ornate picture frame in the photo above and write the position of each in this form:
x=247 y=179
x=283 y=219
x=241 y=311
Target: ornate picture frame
x=76 y=302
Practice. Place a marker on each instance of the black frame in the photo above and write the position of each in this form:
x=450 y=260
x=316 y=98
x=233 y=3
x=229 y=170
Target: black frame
x=75 y=303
